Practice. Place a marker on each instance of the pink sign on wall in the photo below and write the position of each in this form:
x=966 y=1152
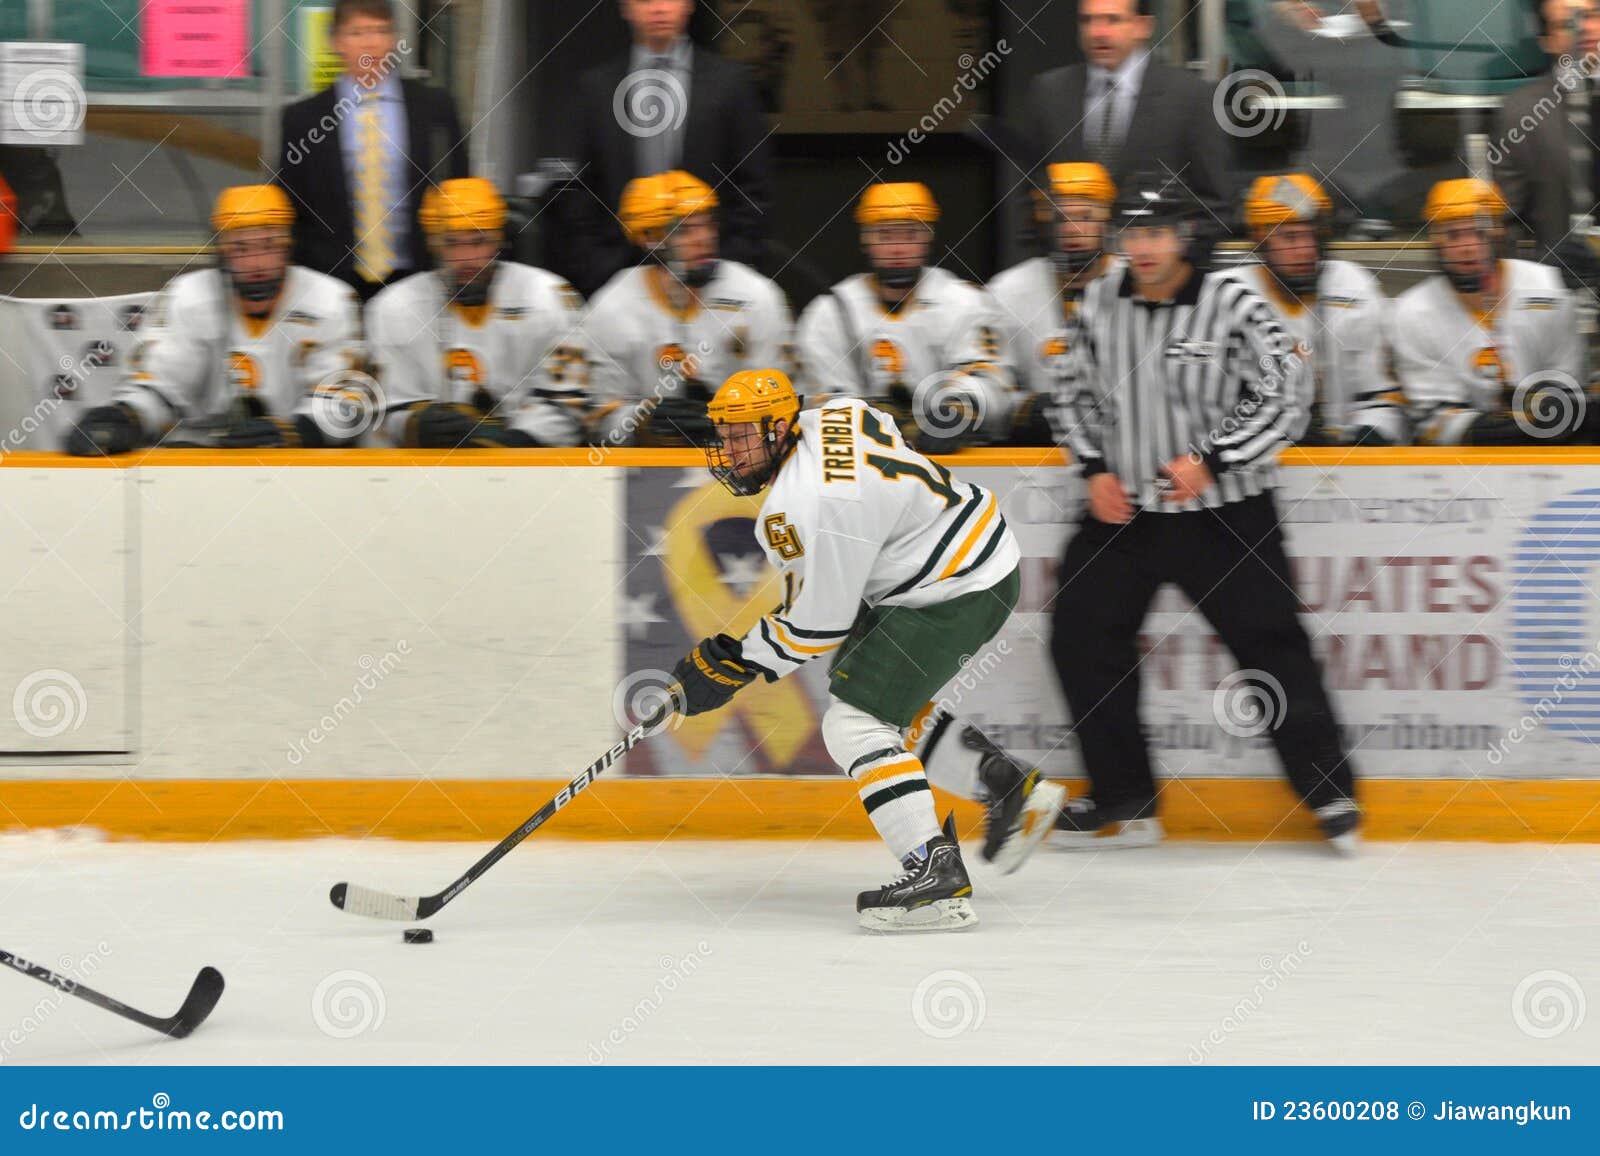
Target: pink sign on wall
x=195 y=38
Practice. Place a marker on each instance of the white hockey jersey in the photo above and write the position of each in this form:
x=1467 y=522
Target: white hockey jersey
x=851 y=346
x=640 y=345
x=1455 y=364
x=1342 y=336
x=197 y=352
x=1035 y=314
x=520 y=353
x=855 y=516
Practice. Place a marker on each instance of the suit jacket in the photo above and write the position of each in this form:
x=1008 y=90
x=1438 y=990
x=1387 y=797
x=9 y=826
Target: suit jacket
x=1531 y=166
x=1172 y=128
x=724 y=144
x=311 y=170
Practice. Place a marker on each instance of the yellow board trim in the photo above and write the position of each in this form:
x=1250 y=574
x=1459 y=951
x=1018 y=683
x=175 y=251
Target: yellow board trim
x=681 y=458
x=1497 y=811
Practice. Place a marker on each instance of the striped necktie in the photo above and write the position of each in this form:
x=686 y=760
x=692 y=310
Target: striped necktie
x=374 y=237
x=1106 y=143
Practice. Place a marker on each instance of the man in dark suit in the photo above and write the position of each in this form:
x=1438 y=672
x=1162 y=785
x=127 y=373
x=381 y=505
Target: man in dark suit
x=358 y=156
x=1129 y=112
x=666 y=105
x=1551 y=171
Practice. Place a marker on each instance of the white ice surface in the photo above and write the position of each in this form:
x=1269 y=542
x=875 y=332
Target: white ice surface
x=748 y=953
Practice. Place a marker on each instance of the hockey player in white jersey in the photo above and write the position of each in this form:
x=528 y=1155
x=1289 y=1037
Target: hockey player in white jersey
x=1039 y=297
x=661 y=334
x=257 y=352
x=1335 y=310
x=1488 y=351
x=479 y=351
x=912 y=338
x=897 y=572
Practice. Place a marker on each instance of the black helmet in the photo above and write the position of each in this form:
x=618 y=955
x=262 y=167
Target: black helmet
x=1153 y=198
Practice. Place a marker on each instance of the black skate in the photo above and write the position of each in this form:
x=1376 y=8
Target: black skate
x=1022 y=804
x=1084 y=825
x=1340 y=821
x=934 y=894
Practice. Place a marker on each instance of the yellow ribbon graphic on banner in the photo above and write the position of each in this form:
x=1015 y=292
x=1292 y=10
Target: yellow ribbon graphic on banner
x=779 y=715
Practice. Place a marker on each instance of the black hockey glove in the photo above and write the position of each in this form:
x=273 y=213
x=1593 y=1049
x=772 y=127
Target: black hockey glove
x=1365 y=435
x=711 y=674
x=1495 y=429
x=442 y=425
x=104 y=429
x=681 y=419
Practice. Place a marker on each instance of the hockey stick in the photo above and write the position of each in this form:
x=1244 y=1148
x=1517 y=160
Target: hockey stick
x=202 y=997
x=381 y=905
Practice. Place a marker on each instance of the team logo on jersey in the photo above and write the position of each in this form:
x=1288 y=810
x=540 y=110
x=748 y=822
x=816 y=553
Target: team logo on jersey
x=1487 y=365
x=1188 y=351
x=674 y=360
x=782 y=537
x=888 y=360
x=98 y=354
x=463 y=368
x=244 y=372
x=1053 y=348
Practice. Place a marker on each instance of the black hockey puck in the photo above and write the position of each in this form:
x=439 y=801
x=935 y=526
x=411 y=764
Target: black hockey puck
x=418 y=935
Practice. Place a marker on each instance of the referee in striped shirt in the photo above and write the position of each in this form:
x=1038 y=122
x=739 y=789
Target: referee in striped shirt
x=1178 y=390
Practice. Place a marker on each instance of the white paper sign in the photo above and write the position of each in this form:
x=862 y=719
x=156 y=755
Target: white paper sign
x=42 y=95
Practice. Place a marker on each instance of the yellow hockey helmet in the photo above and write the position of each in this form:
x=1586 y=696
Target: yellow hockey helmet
x=1463 y=199
x=754 y=395
x=252 y=207
x=462 y=205
x=654 y=202
x=1277 y=200
x=1083 y=179
x=897 y=201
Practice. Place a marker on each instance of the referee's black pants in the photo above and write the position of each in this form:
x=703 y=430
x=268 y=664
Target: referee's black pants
x=1231 y=564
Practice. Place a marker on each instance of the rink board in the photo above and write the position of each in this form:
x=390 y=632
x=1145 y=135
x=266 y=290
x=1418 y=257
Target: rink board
x=417 y=644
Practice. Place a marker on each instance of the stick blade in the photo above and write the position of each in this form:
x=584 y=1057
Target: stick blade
x=202 y=998
x=373 y=904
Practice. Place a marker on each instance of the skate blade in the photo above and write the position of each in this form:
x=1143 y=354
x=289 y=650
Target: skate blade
x=940 y=915
x=1347 y=845
x=1133 y=833
x=1038 y=819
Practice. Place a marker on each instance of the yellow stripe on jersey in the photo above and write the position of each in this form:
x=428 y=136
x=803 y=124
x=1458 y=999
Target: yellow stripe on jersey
x=908 y=765
x=971 y=539
x=799 y=648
